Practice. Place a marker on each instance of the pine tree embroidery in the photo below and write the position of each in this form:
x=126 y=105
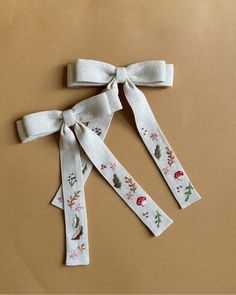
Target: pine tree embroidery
x=170 y=156
x=188 y=192
x=116 y=181
x=158 y=218
x=157 y=152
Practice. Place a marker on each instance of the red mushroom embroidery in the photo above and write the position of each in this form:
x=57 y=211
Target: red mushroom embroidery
x=141 y=201
x=178 y=174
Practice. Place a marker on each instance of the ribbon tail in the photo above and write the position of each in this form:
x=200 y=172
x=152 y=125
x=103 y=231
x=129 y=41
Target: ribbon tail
x=121 y=181
x=77 y=247
x=159 y=148
x=100 y=126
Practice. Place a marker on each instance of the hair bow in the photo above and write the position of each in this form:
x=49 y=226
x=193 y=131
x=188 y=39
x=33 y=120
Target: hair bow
x=155 y=73
x=41 y=124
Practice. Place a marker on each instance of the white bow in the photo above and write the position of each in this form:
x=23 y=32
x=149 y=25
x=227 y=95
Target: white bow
x=154 y=73
x=40 y=124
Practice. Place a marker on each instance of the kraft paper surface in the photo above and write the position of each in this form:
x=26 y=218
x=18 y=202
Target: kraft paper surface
x=197 y=253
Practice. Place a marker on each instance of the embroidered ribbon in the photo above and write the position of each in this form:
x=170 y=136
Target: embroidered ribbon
x=41 y=124
x=149 y=73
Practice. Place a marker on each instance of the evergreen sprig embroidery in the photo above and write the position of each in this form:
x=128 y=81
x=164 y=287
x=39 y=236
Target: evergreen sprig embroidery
x=170 y=156
x=131 y=184
x=158 y=218
x=188 y=192
x=73 y=199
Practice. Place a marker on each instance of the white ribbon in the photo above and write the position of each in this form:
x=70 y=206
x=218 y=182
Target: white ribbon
x=149 y=73
x=40 y=124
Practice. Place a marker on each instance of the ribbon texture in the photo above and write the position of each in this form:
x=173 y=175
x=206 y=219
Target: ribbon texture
x=41 y=124
x=149 y=73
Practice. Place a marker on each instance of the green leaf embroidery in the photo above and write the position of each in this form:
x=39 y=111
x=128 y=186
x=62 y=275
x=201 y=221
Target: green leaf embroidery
x=116 y=181
x=188 y=192
x=158 y=219
x=84 y=168
x=157 y=152
x=76 y=221
x=77 y=227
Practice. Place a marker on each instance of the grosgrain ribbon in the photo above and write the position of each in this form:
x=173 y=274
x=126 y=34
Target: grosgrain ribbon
x=40 y=124
x=154 y=73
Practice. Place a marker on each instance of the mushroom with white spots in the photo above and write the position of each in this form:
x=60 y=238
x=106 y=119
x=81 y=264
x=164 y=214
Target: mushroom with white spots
x=178 y=175
x=141 y=201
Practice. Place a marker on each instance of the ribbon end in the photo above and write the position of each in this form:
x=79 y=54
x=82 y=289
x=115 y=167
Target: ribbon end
x=168 y=221
x=190 y=201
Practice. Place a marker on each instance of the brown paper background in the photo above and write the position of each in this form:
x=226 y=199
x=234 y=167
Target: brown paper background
x=197 y=253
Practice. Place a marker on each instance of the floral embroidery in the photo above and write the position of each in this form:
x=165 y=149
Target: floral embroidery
x=78 y=207
x=166 y=170
x=97 y=130
x=71 y=179
x=157 y=152
x=77 y=227
x=113 y=166
x=158 y=218
x=141 y=201
x=132 y=185
x=178 y=175
x=188 y=192
x=75 y=253
x=116 y=181
x=73 y=198
x=130 y=195
x=170 y=156
x=84 y=168
x=154 y=136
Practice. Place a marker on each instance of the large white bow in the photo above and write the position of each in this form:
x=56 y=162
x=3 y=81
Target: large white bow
x=155 y=73
x=40 y=124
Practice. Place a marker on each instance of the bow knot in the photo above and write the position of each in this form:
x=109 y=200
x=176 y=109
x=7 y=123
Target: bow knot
x=69 y=118
x=121 y=74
